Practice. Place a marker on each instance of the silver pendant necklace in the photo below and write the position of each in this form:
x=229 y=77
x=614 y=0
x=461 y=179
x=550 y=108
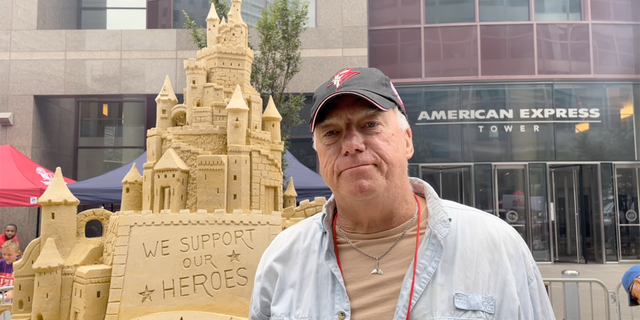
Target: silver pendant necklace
x=377 y=270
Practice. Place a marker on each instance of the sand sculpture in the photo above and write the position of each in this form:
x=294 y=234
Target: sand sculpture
x=192 y=228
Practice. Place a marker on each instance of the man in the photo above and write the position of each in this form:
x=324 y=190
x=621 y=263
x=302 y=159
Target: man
x=355 y=259
x=10 y=232
x=631 y=284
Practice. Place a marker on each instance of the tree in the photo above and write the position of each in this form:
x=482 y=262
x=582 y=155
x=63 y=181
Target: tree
x=278 y=59
x=199 y=34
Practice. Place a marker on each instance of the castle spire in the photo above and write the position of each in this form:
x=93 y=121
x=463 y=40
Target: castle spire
x=132 y=190
x=49 y=258
x=271 y=120
x=212 y=26
x=237 y=101
x=271 y=112
x=235 y=14
x=167 y=91
x=58 y=193
x=133 y=176
x=165 y=100
x=290 y=195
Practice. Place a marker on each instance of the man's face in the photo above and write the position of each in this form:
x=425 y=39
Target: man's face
x=10 y=232
x=362 y=149
x=10 y=255
x=634 y=289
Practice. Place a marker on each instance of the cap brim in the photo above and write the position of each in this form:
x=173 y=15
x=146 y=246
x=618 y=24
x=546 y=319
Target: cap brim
x=375 y=99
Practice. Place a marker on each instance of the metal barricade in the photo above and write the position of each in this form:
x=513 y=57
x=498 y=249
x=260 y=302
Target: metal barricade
x=593 y=303
x=5 y=306
x=621 y=302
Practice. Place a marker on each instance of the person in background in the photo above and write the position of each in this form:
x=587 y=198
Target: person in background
x=10 y=232
x=631 y=284
x=431 y=258
x=10 y=253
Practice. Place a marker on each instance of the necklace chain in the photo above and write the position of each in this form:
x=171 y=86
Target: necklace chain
x=377 y=269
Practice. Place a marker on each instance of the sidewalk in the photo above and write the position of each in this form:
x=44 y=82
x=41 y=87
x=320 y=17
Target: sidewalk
x=609 y=274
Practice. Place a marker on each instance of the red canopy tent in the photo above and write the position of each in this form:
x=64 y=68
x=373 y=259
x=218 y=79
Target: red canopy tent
x=22 y=181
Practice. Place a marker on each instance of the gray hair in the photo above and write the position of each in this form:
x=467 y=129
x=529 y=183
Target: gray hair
x=402 y=121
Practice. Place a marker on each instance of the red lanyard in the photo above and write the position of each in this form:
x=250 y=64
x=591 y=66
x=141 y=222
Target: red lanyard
x=415 y=257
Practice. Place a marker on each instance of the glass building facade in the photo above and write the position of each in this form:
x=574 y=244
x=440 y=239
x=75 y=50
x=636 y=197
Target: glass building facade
x=527 y=110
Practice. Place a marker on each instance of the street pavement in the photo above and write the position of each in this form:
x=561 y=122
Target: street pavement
x=591 y=306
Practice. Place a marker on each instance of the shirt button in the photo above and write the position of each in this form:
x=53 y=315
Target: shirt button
x=341 y=315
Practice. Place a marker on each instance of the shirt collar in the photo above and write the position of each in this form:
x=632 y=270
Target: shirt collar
x=439 y=219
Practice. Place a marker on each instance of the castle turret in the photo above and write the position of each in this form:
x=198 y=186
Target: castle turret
x=237 y=120
x=170 y=180
x=234 y=14
x=48 y=267
x=165 y=100
x=196 y=78
x=59 y=208
x=271 y=121
x=212 y=26
x=132 y=190
x=290 y=195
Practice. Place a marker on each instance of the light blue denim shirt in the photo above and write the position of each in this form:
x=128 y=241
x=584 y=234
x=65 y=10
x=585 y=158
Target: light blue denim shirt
x=471 y=265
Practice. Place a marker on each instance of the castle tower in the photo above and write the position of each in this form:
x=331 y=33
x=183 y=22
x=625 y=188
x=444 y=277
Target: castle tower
x=132 y=190
x=212 y=26
x=193 y=93
x=290 y=195
x=234 y=14
x=170 y=182
x=165 y=100
x=271 y=121
x=237 y=121
x=48 y=267
x=59 y=208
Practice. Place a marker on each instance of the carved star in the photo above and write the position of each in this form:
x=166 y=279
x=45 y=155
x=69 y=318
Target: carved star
x=234 y=256
x=146 y=294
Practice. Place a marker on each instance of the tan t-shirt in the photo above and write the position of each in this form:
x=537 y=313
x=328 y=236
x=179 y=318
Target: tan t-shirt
x=375 y=296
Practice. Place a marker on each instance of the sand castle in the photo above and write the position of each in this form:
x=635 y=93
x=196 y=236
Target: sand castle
x=192 y=228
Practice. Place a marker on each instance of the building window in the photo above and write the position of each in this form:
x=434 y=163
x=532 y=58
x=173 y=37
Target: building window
x=558 y=10
x=396 y=52
x=563 y=49
x=503 y=10
x=615 y=10
x=394 y=12
x=451 y=51
x=615 y=49
x=110 y=135
x=507 y=50
x=113 y=14
x=449 y=11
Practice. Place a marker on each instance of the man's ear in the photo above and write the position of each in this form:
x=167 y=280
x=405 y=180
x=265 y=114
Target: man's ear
x=408 y=138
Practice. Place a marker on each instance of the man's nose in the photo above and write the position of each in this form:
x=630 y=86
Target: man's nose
x=353 y=142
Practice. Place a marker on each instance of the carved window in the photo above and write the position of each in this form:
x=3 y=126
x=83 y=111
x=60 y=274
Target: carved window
x=93 y=229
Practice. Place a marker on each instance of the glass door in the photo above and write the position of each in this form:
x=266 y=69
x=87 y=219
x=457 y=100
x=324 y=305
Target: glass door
x=451 y=183
x=566 y=208
x=626 y=180
x=512 y=197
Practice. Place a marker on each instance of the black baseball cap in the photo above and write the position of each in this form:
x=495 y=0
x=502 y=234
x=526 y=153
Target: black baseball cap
x=368 y=83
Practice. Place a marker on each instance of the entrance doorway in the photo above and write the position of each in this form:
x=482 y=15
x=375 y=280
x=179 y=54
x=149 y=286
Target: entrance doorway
x=450 y=182
x=626 y=181
x=512 y=197
x=576 y=209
